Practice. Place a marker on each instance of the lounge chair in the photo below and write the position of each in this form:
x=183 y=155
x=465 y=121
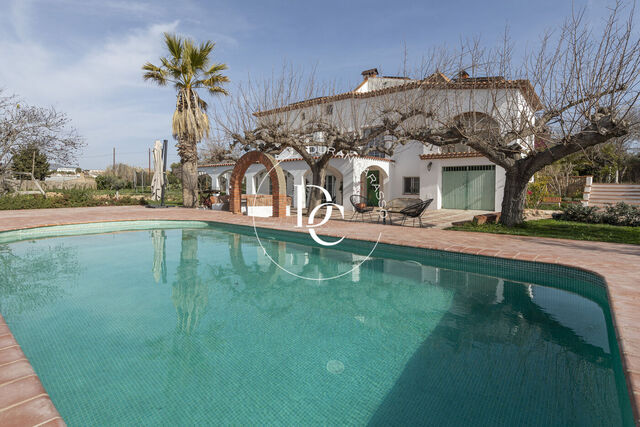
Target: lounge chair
x=360 y=207
x=414 y=211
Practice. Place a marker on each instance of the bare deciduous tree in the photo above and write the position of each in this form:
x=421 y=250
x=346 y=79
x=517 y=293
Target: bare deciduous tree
x=288 y=112
x=560 y=175
x=45 y=129
x=217 y=151
x=574 y=91
x=610 y=162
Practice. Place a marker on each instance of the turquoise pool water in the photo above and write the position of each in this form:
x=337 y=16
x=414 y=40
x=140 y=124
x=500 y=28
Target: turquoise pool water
x=196 y=326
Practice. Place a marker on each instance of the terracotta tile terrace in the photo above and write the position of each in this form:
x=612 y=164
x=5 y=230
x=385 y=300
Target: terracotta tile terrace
x=23 y=400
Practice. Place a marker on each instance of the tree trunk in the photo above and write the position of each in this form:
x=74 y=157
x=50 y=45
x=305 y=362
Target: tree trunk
x=190 y=183
x=318 y=173
x=189 y=293
x=188 y=153
x=515 y=195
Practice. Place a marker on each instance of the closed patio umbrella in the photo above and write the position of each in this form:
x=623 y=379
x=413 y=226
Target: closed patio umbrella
x=159 y=238
x=158 y=173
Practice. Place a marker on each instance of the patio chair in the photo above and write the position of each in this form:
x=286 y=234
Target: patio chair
x=360 y=206
x=414 y=211
x=207 y=198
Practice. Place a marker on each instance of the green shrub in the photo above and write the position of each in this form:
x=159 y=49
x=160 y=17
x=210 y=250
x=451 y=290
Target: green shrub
x=65 y=199
x=619 y=214
x=580 y=213
x=173 y=180
x=76 y=197
x=24 y=201
x=112 y=182
x=103 y=182
x=536 y=192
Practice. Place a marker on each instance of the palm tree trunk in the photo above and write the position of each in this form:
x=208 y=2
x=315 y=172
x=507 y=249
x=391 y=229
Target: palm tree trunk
x=190 y=183
x=189 y=292
x=188 y=152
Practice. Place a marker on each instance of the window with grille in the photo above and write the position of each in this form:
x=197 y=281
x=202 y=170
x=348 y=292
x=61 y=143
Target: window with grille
x=411 y=185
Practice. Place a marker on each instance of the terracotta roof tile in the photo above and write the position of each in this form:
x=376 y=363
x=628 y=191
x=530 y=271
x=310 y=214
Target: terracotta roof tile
x=450 y=155
x=437 y=77
x=430 y=82
x=296 y=159
x=209 y=165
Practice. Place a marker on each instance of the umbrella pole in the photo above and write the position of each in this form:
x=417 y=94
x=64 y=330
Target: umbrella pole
x=164 y=171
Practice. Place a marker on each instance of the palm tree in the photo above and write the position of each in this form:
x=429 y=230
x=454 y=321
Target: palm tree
x=188 y=67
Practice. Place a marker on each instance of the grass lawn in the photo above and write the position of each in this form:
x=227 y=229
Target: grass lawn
x=562 y=230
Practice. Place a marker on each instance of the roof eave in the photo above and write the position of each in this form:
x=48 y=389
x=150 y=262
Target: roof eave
x=525 y=87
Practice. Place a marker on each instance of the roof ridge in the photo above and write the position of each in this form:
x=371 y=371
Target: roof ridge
x=470 y=83
x=300 y=158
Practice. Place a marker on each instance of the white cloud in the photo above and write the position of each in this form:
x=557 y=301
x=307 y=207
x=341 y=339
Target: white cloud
x=99 y=87
x=102 y=90
x=19 y=13
x=129 y=6
x=39 y=73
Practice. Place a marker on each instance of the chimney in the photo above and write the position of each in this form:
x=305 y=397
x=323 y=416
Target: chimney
x=373 y=72
x=462 y=74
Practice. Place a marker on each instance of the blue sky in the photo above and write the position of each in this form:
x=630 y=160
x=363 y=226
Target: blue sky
x=84 y=56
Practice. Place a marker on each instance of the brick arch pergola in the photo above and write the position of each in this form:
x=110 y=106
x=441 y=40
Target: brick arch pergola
x=278 y=183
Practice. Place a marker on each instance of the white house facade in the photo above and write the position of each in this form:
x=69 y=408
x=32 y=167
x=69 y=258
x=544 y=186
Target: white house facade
x=454 y=177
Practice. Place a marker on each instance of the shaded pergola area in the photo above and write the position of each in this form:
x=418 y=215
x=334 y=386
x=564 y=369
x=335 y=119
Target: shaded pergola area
x=276 y=174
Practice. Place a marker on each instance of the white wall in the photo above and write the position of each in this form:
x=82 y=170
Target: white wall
x=346 y=170
x=262 y=211
x=407 y=163
x=352 y=114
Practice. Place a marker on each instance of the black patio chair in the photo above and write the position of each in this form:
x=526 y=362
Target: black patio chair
x=414 y=211
x=360 y=206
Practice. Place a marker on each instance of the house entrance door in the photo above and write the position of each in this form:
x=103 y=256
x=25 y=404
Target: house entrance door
x=373 y=187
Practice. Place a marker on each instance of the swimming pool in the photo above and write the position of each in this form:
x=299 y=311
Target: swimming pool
x=191 y=323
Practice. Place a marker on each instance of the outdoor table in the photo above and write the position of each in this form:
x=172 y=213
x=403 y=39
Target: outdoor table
x=389 y=212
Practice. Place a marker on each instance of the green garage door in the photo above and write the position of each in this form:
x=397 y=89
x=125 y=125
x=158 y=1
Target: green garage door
x=469 y=187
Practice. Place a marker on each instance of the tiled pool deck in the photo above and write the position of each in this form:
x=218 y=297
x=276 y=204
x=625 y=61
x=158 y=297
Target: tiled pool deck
x=24 y=402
